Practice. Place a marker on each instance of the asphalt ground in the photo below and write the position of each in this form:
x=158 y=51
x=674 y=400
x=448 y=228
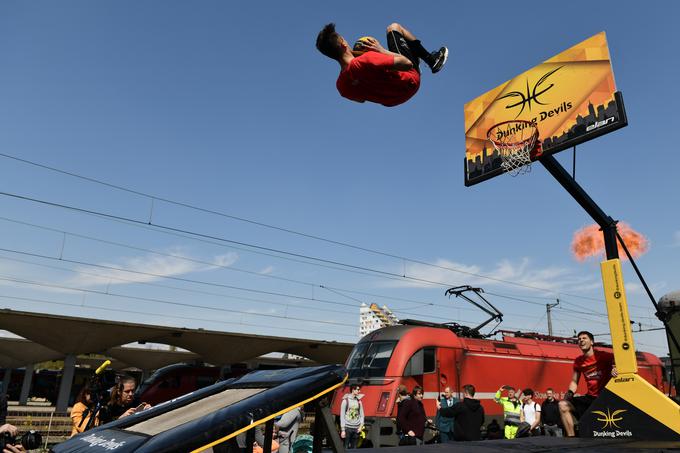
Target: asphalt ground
x=540 y=444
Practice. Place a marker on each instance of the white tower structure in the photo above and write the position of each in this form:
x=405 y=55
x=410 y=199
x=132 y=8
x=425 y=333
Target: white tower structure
x=374 y=317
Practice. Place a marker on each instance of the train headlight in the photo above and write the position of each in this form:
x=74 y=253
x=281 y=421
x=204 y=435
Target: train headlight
x=382 y=403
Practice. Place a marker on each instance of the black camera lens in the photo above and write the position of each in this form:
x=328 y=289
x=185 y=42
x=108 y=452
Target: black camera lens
x=31 y=440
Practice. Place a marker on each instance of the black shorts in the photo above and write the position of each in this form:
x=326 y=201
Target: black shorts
x=581 y=404
x=397 y=43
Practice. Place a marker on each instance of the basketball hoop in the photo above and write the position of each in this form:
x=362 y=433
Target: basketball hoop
x=514 y=140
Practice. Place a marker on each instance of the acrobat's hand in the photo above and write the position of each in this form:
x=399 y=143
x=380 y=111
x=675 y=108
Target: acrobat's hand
x=371 y=43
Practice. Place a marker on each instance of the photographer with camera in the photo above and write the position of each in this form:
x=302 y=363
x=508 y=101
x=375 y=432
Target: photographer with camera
x=8 y=433
x=9 y=443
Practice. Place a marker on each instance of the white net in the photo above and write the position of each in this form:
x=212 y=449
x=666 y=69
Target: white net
x=516 y=163
x=514 y=141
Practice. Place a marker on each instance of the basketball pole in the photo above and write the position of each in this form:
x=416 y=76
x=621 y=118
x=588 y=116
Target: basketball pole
x=647 y=412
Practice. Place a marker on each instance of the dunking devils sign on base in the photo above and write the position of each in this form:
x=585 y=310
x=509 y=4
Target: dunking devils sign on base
x=566 y=100
x=611 y=416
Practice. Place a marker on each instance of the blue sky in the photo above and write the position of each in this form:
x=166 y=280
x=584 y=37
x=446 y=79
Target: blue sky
x=232 y=109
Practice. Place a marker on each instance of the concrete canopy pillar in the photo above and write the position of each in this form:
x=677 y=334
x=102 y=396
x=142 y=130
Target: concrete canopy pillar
x=66 y=383
x=26 y=386
x=6 y=379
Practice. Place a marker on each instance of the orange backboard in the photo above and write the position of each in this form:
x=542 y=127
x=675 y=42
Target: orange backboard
x=571 y=98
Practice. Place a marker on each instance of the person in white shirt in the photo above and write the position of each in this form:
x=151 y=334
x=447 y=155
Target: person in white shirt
x=531 y=412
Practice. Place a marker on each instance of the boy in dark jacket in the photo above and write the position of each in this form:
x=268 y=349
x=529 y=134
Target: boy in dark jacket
x=469 y=415
x=412 y=418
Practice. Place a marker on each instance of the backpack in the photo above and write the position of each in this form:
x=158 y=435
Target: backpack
x=304 y=443
x=523 y=430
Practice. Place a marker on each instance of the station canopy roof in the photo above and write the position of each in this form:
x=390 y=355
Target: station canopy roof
x=51 y=337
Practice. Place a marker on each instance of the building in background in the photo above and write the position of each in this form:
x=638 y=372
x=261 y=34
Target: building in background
x=374 y=317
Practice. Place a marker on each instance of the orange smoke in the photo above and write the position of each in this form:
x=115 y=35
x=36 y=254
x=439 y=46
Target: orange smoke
x=589 y=242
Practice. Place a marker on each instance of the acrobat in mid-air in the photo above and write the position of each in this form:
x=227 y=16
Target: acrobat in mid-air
x=369 y=72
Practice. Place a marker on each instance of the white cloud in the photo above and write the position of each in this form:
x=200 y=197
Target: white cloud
x=521 y=272
x=146 y=268
x=267 y=270
x=634 y=288
x=226 y=260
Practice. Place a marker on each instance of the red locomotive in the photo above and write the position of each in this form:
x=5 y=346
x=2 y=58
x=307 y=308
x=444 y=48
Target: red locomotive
x=435 y=356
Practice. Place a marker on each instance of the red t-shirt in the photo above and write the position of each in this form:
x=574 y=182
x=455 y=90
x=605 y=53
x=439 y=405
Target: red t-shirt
x=596 y=370
x=368 y=77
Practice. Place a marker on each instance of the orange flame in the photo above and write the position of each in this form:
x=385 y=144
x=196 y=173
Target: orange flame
x=589 y=242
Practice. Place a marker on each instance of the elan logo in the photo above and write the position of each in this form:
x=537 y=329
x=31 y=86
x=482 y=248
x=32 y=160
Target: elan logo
x=599 y=124
x=610 y=418
x=532 y=94
x=624 y=379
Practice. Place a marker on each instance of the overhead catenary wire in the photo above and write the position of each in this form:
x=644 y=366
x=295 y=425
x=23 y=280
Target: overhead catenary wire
x=392 y=275
x=171 y=277
x=163 y=301
x=270 y=249
x=190 y=318
x=259 y=274
x=337 y=291
x=270 y=226
x=651 y=329
x=82 y=304
x=208 y=263
x=199 y=282
x=211 y=263
x=153 y=198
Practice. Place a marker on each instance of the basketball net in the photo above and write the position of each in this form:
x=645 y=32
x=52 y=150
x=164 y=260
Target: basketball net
x=514 y=140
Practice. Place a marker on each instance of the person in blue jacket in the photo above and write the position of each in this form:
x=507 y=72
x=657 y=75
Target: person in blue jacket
x=445 y=424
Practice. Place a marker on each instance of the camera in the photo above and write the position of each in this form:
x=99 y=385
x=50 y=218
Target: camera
x=30 y=440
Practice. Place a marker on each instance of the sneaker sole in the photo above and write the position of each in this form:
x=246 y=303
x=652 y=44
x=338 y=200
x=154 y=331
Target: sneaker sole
x=446 y=57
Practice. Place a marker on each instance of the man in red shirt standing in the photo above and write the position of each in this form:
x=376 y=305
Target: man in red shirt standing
x=385 y=76
x=597 y=368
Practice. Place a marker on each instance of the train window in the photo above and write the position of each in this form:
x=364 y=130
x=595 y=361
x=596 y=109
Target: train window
x=429 y=362
x=422 y=362
x=370 y=359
